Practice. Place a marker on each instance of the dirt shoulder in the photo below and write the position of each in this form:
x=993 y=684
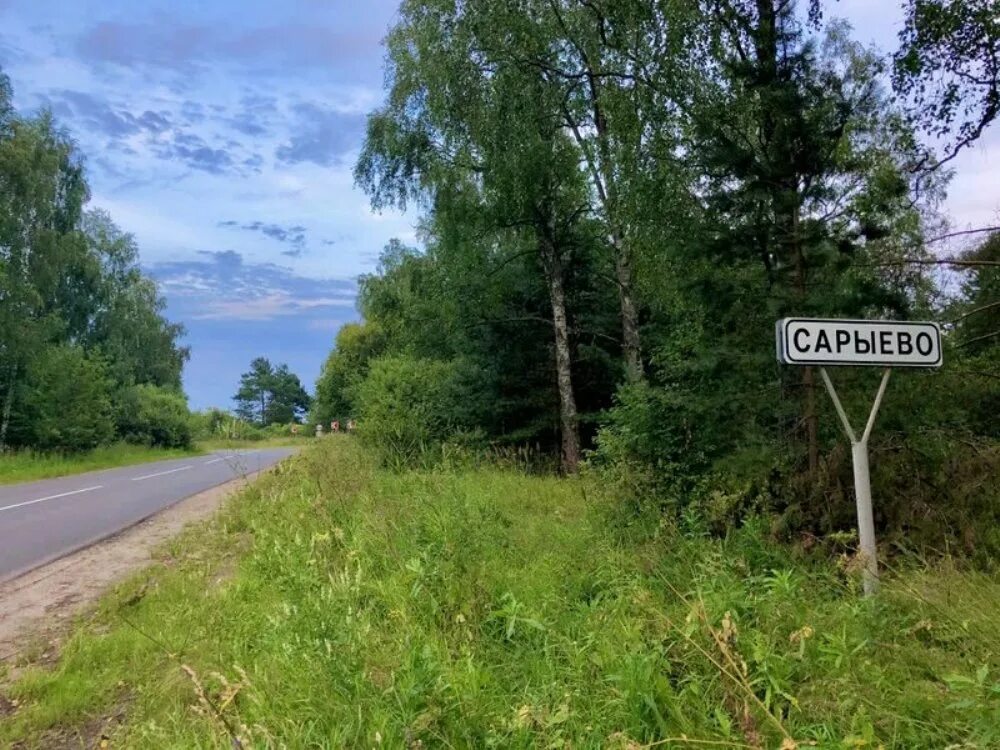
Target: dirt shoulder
x=35 y=607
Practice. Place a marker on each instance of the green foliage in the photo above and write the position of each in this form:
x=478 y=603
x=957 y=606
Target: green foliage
x=436 y=305
x=976 y=316
x=149 y=415
x=619 y=200
x=69 y=404
x=409 y=406
x=356 y=346
x=28 y=465
x=216 y=424
x=128 y=324
x=270 y=395
x=239 y=429
x=208 y=423
x=70 y=291
x=514 y=255
x=947 y=65
x=492 y=609
x=708 y=436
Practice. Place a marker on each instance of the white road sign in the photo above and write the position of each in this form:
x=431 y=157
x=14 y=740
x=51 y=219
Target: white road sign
x=883 y=343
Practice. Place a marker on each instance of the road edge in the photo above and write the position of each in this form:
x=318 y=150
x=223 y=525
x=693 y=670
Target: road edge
x=22 y=606
x=110 y=533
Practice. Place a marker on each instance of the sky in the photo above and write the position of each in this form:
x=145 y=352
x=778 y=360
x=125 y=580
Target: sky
x=222 y=134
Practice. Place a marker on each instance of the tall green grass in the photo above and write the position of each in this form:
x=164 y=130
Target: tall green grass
x=336 y=605
x=26 y=465
x=220 y=443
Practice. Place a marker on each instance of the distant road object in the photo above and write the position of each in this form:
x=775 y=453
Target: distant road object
x=42 y=521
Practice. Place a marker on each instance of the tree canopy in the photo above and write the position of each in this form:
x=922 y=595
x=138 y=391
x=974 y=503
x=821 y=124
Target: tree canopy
x=270 y=395
x=80 y=325
x=618 y=200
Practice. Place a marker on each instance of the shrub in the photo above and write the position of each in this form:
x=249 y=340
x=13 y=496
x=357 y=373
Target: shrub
x=209 y=423
x=408 y=406
x=653 y=444
x=284 y=430
x=357 y=345
x=149 y=415
x=69 y=400
x=933 y=457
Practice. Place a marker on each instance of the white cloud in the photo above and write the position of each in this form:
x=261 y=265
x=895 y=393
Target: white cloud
x=268 y=307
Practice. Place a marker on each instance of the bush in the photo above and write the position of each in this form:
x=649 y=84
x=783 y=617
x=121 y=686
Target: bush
x=209 y=423
x=933 y=454
x=154 y=416
x=408 y=406
x=69 y=401
x=217 y=424
x=659 y=444
x=356 y=346
x=284 y=429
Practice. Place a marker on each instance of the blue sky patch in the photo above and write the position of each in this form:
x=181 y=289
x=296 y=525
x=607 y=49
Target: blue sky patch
x=222 y=135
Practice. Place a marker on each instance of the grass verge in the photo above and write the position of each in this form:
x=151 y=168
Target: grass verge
x=221 y=444
x=334 y=605
x=26 y=466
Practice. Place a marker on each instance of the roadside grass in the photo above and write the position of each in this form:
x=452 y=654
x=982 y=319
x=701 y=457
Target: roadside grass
x=26 y=466
x=218 y=444
x=333 y=604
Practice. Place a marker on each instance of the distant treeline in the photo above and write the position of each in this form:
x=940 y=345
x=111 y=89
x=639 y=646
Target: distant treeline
x=86 y=356
x=618 y=202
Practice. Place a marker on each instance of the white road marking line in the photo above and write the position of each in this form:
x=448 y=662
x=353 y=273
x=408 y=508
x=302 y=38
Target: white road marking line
x=51 y=497
x=223 y=458
x=161 y=473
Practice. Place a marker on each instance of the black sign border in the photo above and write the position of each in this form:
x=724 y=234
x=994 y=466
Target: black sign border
x=783 y=323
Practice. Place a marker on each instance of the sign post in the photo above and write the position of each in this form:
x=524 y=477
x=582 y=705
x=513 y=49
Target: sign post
x=872 y=343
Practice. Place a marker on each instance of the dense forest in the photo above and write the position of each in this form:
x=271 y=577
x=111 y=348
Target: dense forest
x=86 y=355
x=619 y=199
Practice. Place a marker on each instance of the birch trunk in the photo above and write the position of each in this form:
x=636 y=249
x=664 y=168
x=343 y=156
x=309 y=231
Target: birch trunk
x=601 y=169
x=568 y=420
x=7 y=406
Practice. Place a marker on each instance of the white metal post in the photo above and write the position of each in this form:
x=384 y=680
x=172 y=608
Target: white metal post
x=866 y=518
x=862 y=479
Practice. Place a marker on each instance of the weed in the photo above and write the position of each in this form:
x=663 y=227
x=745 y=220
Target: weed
x=25 y=466
x=480 y=607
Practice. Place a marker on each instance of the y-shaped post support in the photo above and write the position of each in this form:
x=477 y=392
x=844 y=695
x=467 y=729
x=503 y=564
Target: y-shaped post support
x=862 y=479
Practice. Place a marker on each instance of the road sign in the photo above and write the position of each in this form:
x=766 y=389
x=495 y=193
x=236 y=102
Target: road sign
x=880 y=343
x=884 y=343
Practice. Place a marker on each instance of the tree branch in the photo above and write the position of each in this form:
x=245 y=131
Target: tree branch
x=964 y=232
x=935 y=262
x=979 y=338
x=963 y=316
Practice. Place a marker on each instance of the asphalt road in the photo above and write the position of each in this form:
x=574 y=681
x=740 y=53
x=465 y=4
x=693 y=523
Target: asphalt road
x=44 y=520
